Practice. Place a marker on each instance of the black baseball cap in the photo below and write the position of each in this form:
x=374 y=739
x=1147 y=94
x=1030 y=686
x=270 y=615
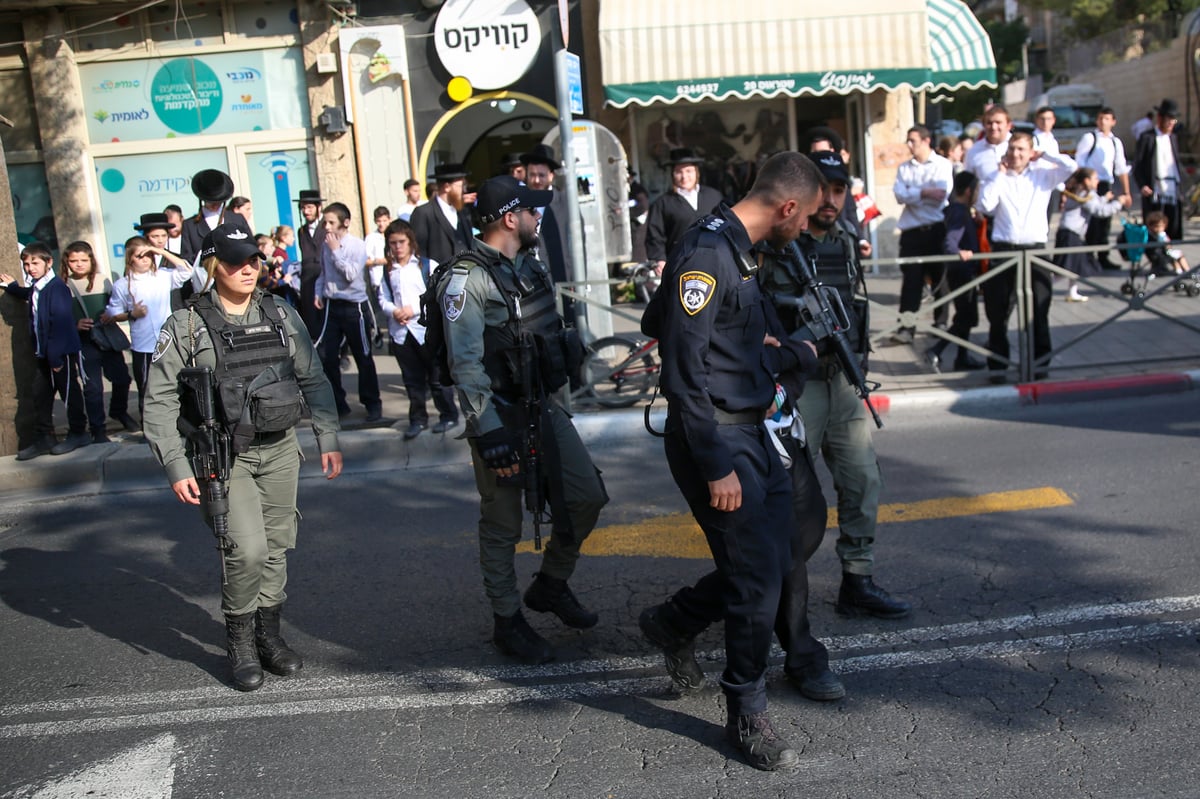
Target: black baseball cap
x=831 y=165
x=230 y=244
x=499 y=195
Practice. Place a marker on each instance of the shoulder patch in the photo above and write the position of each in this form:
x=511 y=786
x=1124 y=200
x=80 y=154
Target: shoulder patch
x=452 y=305
x=457 y=282
x=164 y=342
x=714 y=223
x=695 y=290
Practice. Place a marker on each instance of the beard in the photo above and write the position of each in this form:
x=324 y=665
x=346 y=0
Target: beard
x=528 y=237
x=819 y=222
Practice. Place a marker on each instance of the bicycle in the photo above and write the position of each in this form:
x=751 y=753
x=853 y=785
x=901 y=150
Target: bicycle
x=618 y=371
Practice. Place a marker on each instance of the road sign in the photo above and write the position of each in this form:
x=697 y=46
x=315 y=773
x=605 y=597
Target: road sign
x=575 y=84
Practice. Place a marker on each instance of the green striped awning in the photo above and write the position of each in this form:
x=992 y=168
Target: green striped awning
x=666 y=52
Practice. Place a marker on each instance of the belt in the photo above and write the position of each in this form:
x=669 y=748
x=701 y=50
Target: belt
x=348 y=302
x=269 y=438
x=737 y=417
x=925 y=228
x=828 y=367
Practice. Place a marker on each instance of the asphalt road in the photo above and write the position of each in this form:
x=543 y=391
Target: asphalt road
x=1050 y=554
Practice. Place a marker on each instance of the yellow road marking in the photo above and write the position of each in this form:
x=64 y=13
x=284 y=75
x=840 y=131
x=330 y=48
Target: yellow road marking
x=677 y=535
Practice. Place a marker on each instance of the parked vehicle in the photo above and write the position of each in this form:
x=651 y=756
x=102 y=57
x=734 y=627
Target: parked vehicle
x=1075 y=107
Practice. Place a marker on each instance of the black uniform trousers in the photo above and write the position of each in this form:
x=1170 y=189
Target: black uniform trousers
x=999 y=299
x=65 y=384
x=348 y=320
x=915 y=242
x=417 y=369
x=694 y=608
x=752 y=550
x=98 y=364
x=966 y=307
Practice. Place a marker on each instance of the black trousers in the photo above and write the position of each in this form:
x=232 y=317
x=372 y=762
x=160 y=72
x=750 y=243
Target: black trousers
x=98 y=364
x=966 y=306
x=348 y=320
x=416 y=367
x=141 y=373
x=1099 y=227
x=65 y=384
x=999 y=299
x=752 y=550
x=916 y=242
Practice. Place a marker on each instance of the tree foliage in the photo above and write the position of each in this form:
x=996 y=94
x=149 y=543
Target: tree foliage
x=1087 y=19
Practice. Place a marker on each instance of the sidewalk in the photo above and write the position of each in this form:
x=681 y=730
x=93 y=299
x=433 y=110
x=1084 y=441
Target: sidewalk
x=1139 y=354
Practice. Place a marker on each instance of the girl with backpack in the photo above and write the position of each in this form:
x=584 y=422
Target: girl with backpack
x=1081 y=204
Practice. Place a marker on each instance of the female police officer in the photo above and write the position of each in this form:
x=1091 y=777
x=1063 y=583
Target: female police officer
x=229 y=372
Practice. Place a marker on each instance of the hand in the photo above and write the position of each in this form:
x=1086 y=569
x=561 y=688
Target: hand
x=331 y=464
x=187 y=490
x=399 y=316
x=933 y=193
x=965 y=255
x=138 y=311
x=1126 y=200
x=725 y=494
x=6 y=278
x=105 y=318
x=659 y=266
x=1146 y=192
x=770 y=341
x=85 y=323
x=499 y=452
x=317 y=303
x=865 y=249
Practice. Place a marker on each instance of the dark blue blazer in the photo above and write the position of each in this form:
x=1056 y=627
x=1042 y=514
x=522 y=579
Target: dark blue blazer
x=55 y=333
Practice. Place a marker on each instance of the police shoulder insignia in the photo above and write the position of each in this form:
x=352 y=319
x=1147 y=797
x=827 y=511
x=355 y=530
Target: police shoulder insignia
x=695 y=290
x=164 y=341
x=455 y=296
x=714 y=223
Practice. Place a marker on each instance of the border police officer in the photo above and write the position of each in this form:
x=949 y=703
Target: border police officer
x=507 y=350
x=718 y=375
x=263 y=362
x=835 y=420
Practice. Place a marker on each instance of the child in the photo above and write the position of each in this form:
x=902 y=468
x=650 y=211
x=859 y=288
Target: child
x=143 y=298
x=1080 y=205
x=56 y=347
x=963 y=241
x=1163 y=260
x=401 y=285
x=92 y=289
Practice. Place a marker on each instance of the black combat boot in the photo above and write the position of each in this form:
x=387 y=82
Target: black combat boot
x=757 y=740
x=817 y=683
x=276 y=656
x=551 y=595
x=514 y=637
x=679 y=649
x=859 y=596
x=247 y=671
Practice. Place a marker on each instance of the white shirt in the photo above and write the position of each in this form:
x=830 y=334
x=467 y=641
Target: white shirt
x=1166 y=172
x=913 y=177
x=1076 y=215
x=152 y=289
x=375 y=244
x=1044 y=140
x=211 y=218
x=1104 y=153
x=1018 y=200
x=1139 y=127
x=402 y=289
x=175 y=245
x=405 y=211
x=449 y=212
x=691 y=195
x=33 y=307
x=984 y=160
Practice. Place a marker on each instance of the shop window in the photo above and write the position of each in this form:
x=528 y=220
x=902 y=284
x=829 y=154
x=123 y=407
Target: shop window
x=31 y=204
x=265 y=18
x=186 y=23
x=18 y=93
x=105 y=29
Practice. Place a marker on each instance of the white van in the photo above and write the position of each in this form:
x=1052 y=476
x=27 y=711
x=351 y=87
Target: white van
x=1075 y=107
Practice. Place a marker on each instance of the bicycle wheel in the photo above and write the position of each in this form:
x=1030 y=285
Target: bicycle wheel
x=615 y=375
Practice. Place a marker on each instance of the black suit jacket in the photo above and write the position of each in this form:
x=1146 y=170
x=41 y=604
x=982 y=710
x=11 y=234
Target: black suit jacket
x=55 y=332
x=671 y=215
x=195 y=229
x=1144 y=156
x=436 y=239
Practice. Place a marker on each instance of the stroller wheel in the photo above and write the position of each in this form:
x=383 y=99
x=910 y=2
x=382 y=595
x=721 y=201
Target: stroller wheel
x=1192 y=289
x=1127 y=288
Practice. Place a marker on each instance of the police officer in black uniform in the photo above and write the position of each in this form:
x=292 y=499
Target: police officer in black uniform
x=718 y=374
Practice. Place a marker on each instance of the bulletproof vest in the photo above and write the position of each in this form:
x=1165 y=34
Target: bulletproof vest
x=255 y=375
x=837 y=267
x=534 y=335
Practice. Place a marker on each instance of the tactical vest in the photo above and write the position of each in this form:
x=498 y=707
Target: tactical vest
x=257 y=390
x=836 y=266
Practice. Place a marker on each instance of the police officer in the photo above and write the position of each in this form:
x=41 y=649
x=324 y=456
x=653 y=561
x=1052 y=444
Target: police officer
x=507 y=345
x=718 y=374
x=835 y=420
x=263 y=360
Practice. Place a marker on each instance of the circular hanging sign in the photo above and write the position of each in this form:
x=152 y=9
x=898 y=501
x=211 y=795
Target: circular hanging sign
x=186 y=95
x=491 y=43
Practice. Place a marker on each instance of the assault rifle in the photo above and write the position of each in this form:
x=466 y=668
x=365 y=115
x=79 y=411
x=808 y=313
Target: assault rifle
x=820 y=309
x=212 y=452
x=531 y=441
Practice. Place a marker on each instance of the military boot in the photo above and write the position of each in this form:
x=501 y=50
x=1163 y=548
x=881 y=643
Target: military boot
x=551 y=595
x=756 y=739
x=679 y=649
x=247 y=671
x=859 y=596
x=276 y=656
x=514 y=637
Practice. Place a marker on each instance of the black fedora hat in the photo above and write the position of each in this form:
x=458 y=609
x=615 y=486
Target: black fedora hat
x=447 y=172
x=212 y=186
x=511 y=160
x=154 y=222
x=310 y=196
x=541 y=154
x=683 y=155
x=1168 y=108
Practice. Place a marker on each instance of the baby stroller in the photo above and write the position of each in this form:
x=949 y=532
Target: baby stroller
x=1134 y=233
x=1159 y=262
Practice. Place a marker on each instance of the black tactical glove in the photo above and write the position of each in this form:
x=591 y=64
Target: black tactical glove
x=498 y=449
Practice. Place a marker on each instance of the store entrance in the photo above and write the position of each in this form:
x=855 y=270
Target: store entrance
x=484 y=130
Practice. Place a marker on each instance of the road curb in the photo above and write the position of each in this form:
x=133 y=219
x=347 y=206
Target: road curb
x=115 y=468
